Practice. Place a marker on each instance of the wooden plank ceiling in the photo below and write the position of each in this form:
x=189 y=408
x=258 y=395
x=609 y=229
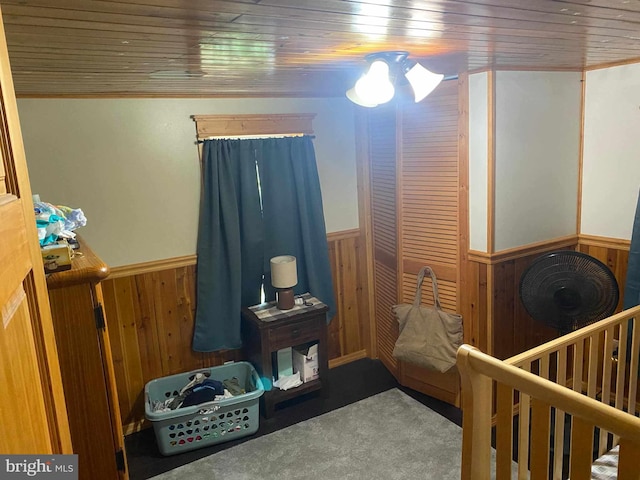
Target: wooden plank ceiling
x=295 y=47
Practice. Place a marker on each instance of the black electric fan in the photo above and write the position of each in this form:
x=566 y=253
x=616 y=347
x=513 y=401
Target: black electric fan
x=567 y=290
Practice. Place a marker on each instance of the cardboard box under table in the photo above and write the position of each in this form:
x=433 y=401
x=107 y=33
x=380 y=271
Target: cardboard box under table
x=305 y=361
x=208 y=423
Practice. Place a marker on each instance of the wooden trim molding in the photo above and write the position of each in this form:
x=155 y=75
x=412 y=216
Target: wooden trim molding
x=605 y=242
x=343 y=235
x=152 y=266
x=464 y=301
x=523 y=251
x=234 y=96
x=363 y=176
x=177 y=262
x=546 y=245
x=208 y=126
x=523 y=68
x=351 y=357
x=491 y=160
x=479 y=257
x=583 y=92
x=473 y=71
x=620 y=63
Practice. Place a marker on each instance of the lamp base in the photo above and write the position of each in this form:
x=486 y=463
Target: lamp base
x=284 y=297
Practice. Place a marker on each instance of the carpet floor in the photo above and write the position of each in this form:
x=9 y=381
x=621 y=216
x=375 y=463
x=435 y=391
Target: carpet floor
x=386 y=436
x=348 y=383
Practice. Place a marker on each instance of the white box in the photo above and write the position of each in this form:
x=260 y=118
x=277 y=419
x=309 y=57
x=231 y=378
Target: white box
x=305 y=361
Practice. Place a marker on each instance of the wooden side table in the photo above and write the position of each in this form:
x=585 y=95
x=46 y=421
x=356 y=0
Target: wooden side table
x=265 y=330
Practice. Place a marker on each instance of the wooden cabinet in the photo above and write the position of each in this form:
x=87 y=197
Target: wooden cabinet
x=262 y=339
x=87 y=368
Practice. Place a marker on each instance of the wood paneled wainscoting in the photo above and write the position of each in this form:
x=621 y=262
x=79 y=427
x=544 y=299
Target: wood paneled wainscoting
x=613 y=252
x=150 y=310
x=497 y=321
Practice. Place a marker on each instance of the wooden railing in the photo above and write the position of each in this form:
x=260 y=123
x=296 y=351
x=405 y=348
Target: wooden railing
x=589 y=376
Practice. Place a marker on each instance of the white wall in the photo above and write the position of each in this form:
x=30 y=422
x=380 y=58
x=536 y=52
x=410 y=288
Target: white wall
x=537 y=156
x=611 y=157
x=478 y=161
x=132 y=166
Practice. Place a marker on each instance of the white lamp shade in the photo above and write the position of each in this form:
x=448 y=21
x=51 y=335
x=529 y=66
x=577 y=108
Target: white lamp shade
x=353 y=96
x=422 y=81
x=284 y=271
x=375 y=87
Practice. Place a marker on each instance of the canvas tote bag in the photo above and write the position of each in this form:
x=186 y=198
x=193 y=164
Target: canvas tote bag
x=429 y=337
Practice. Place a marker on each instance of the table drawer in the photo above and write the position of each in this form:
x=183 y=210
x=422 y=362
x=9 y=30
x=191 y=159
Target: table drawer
x=294 y=334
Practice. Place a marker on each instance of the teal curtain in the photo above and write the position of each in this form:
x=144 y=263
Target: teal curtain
x=230 y=253
x=294 y=217
x=246 y=218
x=632 y=284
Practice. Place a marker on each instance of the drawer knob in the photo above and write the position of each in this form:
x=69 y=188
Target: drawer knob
x=295 y=332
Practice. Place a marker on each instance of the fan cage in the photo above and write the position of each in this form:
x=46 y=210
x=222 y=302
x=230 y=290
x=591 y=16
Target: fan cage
x=567 y=290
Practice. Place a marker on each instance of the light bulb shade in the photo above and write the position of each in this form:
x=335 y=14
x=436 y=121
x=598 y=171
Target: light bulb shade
x=422 y=81
x=284 y=271
x=374 y=87
x=353 y=96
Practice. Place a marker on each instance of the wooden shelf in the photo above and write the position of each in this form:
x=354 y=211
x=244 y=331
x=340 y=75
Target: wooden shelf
x=307 y=387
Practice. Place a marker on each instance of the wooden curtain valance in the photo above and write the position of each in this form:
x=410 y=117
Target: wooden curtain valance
x=208 y=126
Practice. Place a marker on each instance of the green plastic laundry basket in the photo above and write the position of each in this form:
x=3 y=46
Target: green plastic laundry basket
x=197 y=426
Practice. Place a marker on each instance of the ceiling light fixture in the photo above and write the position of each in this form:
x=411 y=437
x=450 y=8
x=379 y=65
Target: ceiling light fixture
x=377 y=85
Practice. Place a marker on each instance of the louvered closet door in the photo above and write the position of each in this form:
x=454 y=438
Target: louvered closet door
x=428 y=233
x=382 y=156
